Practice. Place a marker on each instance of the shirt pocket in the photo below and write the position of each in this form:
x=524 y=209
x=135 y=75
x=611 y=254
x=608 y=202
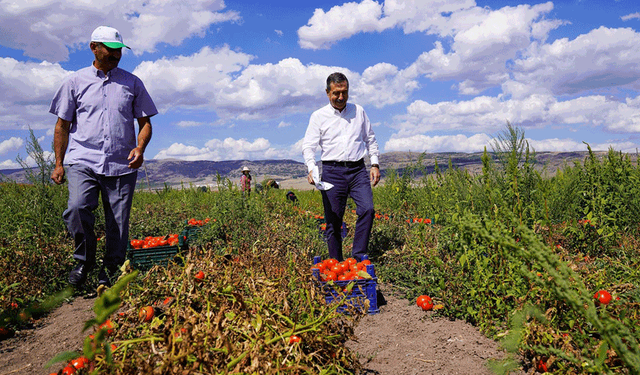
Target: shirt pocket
x=124 y=101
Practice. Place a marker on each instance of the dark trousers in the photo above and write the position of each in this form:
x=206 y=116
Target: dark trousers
x=117 y=197
x=347 y=181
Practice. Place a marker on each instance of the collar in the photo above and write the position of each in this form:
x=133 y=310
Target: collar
x=99 y=73
x=337 y=111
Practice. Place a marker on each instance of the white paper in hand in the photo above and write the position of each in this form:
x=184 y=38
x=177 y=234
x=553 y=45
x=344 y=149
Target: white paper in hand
x=319 y=184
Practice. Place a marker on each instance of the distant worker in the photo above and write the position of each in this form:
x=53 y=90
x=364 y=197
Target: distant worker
x=95 y=136
x=245 y=181
x=344 y=134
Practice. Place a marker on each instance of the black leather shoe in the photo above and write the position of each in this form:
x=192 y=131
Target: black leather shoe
x=78 y=275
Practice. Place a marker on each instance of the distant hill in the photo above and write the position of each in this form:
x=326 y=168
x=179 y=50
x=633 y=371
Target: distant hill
x=292 y=174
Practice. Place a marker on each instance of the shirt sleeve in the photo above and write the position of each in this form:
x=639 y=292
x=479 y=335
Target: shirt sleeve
x=143 y=105
x=310 y=143
x=370 y=139
x=64 y=104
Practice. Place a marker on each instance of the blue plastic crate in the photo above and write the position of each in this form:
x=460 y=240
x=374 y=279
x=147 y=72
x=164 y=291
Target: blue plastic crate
x=364 y=290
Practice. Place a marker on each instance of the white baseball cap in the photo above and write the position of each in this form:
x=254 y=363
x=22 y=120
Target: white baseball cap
x=108 y=36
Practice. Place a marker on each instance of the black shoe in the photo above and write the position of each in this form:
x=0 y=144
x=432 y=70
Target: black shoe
x=107 y=273
x=78 y=275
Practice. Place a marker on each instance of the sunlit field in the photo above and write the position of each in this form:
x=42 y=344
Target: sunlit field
x=522 y=258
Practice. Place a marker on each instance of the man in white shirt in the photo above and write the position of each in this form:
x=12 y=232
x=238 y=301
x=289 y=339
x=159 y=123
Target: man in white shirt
x=344 y=134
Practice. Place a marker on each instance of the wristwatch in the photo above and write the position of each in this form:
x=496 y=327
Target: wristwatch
x=375 y=166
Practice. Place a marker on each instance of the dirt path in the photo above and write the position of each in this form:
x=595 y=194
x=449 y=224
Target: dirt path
x=29 y=350
x=401 y=339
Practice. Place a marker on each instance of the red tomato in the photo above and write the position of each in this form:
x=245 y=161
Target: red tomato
x=146 y=314
x=68 y=370
x=603 y=297
x=199 y=276
x=366 y=262
x=351 y=261
x=330 y=262
x=541 y=366
x=108 y=325
x=421 y=299
x=427 y=305
x=330 y=275
x=337 y=269
x=80 y=363
x=294 y=339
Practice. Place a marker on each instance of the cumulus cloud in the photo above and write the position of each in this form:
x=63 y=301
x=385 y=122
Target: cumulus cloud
x=279 y=32
x=489 y=114
x=601 y=59
x=224 y=81
x=11 y=144
x=283 y=124
x=227 y=149
x=64 y=26
x=9 y=164
x=27 y=89
x=438 y=143
x=343 y=21
x=480 y=42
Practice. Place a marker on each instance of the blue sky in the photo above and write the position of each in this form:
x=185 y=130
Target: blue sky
x=239 y=79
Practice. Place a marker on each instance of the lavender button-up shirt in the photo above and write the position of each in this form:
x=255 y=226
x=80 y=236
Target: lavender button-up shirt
x=102 y=109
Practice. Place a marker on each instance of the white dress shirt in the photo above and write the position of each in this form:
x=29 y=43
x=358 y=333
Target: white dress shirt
x=342 y=136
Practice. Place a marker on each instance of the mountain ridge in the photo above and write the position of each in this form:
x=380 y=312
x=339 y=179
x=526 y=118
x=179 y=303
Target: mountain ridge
x=291 y=174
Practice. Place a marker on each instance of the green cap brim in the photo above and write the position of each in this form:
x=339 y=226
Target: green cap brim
x=114 y=45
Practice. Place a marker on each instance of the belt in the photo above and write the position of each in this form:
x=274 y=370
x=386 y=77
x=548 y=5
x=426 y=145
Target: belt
x=349 y=164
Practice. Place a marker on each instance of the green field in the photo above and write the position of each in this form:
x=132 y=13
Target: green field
x=518 y=256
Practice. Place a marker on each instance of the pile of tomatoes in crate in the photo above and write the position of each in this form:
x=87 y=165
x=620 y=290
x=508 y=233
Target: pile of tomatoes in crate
x=349 y=269
x=150 y=241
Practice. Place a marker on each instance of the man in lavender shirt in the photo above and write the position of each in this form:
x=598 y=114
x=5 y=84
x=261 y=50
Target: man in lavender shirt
x=95 y=137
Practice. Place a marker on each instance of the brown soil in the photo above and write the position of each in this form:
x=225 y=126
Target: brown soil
x=401 y=339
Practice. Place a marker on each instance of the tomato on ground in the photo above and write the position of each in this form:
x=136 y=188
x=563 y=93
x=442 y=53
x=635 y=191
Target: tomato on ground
x=146 y=314
x=293 y=339
x=603 y=297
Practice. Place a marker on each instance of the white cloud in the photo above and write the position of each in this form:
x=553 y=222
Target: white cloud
x=603 y=58
x=279 y=32
x=631 y=16
x=187 y=124
x=283 y=124
x=489 y=114
x=27 y=89
x=438 y=143
x=229 y=149
x=11 y=144
x=64 y=26
x=224 y=81
x=484 y=41
x=341 y=21
x=9 y=164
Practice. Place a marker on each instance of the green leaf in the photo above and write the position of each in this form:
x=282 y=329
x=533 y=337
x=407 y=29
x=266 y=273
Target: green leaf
x=62 y=357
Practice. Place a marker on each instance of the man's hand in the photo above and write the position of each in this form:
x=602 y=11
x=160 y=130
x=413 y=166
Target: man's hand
x=310 y=178
x=374 y=175
x=58 y=175
x=138 y=157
